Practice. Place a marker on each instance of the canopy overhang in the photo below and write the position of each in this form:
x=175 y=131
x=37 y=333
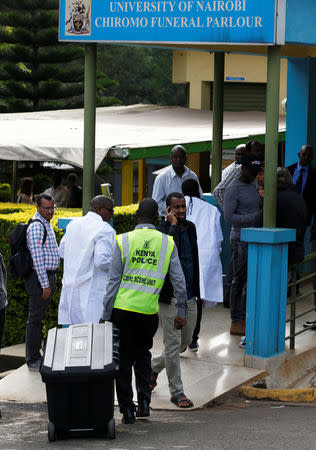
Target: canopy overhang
x=132 y=132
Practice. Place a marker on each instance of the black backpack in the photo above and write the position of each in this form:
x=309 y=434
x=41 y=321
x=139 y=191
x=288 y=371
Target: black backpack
x=20 y=263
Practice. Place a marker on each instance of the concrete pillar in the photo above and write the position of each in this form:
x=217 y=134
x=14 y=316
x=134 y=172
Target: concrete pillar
x=200 y=95
x=266 y=292
x=301 y=107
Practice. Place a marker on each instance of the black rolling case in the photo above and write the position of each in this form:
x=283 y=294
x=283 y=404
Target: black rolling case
x=79 y=367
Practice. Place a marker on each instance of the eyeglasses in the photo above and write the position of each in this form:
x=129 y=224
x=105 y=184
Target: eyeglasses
x=48 y=208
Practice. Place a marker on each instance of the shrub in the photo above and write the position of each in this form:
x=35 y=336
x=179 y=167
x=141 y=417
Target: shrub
x=5 y=192
x=17 y=310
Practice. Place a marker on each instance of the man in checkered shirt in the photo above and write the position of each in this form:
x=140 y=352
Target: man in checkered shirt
x=41 y=283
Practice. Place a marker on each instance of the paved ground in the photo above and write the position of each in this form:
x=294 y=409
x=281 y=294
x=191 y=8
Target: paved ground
x=235 y=424
x=217 y=368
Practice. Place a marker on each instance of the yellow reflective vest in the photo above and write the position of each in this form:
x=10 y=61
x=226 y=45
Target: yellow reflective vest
x=146 y=257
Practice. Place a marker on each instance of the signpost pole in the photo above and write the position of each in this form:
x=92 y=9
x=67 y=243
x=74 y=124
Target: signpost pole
x=272 y=129
x=268 y=248
x=218 y=116
x=89 y=125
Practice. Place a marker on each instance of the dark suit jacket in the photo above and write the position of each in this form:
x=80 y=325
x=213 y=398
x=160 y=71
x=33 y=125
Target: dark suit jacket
x=174 y=231
x=309 y=194
x=292 y=213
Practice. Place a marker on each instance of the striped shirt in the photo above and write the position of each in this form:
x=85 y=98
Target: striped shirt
x=45 y=257
x=219 y=191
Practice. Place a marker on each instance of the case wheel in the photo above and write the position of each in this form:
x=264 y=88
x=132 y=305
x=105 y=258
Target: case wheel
x=111 y=428
x=51 y=432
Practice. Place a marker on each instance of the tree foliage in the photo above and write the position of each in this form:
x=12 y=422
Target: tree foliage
x=144 y=75
x=37 y=72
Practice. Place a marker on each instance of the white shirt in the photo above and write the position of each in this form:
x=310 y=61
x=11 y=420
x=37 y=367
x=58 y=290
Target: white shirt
x=168 y=182
x=60 y=194
x=87 y=250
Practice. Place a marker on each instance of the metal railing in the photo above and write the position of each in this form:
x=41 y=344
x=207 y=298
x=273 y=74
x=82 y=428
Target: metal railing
x=294 y=298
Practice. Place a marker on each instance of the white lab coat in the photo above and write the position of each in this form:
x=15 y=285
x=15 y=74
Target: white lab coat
x=206 y=219
x=87 y=251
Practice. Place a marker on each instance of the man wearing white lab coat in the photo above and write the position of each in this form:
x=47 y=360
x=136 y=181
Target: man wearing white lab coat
x=87 y=251
x=206 y=219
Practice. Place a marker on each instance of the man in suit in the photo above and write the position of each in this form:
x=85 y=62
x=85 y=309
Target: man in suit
x=304 y=177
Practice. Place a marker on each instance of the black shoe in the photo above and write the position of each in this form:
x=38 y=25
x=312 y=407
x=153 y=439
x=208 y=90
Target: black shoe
x=143 y=409
x=128 y=416
x=310 y=323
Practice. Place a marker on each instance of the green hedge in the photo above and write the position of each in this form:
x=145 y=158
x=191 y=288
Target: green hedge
x=5 y=192
x=10 y=215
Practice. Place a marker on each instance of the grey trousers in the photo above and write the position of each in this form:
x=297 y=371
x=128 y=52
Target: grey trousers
x=37 y=309
x=175 y=342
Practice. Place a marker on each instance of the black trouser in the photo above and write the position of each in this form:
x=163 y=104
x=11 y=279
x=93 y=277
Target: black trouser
x=136 y=339
x=196 y=332
x=2 y=321
x=227 y=283
x=37 y=309
x=237 y=299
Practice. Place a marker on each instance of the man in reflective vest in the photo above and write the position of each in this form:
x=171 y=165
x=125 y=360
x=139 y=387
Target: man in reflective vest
x=140 y=262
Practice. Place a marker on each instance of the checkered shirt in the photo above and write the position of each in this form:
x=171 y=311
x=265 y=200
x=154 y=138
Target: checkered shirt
x=45 y=257
x=223 y=185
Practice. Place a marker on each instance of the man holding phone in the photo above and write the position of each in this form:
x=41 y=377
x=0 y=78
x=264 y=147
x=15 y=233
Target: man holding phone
x=176 y=340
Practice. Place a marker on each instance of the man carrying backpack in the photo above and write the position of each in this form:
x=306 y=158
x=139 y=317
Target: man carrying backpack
x=41 y=282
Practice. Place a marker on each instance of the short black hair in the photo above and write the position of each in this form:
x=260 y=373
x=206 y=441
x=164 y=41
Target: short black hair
x=45 y=196
x=190 y=187
x=72 y=177
x=173 y=195
x=147 y=209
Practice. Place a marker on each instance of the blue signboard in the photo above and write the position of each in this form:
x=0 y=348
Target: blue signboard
x=169 y=21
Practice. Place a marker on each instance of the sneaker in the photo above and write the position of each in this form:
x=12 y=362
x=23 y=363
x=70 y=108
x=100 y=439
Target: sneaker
x=194 y=346
x=34 y=365
x=242 y=343
x=310 y=323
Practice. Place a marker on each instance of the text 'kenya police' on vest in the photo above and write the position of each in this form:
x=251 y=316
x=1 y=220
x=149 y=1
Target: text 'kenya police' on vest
x=151 y=260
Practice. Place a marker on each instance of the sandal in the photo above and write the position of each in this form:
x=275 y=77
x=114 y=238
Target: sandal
x=181 y=401
x=153 y=380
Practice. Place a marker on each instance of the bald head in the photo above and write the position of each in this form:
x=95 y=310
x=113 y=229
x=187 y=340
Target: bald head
x=178 y=158
x=306 y=155
x=147 y=211
x=239 y=153
x=103 y=206
x=178 y=148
